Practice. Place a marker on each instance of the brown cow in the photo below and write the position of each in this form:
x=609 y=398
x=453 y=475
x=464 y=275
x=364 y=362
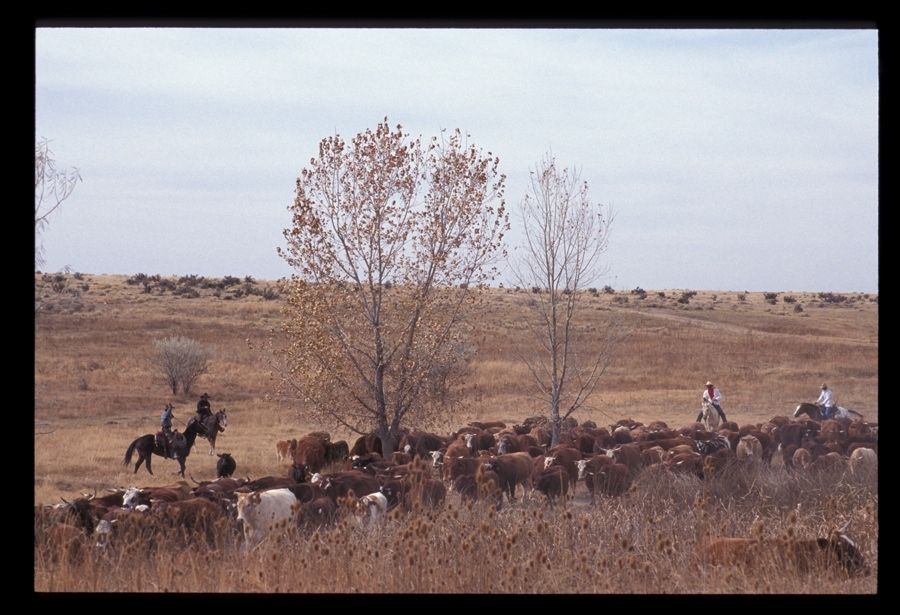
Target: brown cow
x=749 y=449
x=612 y=480
x=285 y=449
x=310 y=450
x=802 y=555
x=553 y=483
x=513 y=469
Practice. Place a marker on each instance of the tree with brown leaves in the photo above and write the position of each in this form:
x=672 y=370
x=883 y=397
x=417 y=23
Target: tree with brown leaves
x=390 y=241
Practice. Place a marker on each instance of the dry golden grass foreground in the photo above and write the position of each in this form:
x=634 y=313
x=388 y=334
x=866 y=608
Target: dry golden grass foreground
x=95 y=391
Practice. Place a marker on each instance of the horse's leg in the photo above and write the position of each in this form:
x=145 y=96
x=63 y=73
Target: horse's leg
x=148 y=458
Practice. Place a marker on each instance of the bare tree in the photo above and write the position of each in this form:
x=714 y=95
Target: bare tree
x=565 y=235
x=389 y=241
x=180 y=361
x=51 y=187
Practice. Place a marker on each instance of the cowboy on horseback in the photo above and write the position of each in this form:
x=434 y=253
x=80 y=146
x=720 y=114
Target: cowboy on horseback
x=166 y=432
x=712 y=396
x=826 y=402
x=204 y=412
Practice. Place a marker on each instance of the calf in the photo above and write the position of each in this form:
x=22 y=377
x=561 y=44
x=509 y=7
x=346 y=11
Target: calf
x=370 y=509
x=285 y=449
x=553 y=483
x=317 y=513
x=803 y=555
x=226 y=466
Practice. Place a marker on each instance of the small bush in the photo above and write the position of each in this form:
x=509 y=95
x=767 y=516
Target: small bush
x=798 y=308
x=686 y=296
x=609 y=290
x=620 y=299
x=742 y=296
x=180 y=361
x=832 y=298
x=640 y=292
x=770 y=297
x=789 y=299
x=661 y=295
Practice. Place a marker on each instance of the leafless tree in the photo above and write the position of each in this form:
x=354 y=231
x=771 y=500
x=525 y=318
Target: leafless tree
x=389 y=241
x=180 y=361
x=51 y=187
x=565 y=235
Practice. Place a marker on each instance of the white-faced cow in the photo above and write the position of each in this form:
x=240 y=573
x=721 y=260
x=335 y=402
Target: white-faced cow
x=260 y=513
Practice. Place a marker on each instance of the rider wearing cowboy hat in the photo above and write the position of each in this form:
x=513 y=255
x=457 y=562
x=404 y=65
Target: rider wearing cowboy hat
x=166 y=431
x=712 y=396
x=826 y=402
x=203 y=407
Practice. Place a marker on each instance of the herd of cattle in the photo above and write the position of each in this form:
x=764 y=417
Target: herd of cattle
x=482 y=461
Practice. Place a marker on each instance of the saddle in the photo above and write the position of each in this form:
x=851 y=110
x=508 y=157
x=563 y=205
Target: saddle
x=175 y=440
x=202 y=424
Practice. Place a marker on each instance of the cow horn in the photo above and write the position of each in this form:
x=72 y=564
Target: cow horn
x=844 y=529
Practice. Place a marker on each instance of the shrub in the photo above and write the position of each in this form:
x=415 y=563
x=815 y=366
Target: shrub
x=770 y=297
x=742 y=296
x=686 y=296
x=789 y=299
x=832 y=298
x=609 y=290
x=180 y=361
x=640 y=292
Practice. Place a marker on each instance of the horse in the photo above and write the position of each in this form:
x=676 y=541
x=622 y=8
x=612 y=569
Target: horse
x=815 y=412
x=709 y=416
x=211 y=427
x=146 y=447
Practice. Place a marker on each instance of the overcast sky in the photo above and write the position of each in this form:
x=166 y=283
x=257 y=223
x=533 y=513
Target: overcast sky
x=735 y=159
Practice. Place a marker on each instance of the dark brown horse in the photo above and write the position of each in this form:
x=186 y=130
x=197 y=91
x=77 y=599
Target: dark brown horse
x=146 y=447
x=815 y=412
x=211 y=427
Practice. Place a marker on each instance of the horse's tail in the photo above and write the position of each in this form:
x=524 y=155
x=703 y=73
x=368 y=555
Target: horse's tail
x=129 y=452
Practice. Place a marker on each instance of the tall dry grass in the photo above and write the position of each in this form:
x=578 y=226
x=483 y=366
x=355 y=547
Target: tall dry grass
x=638 y=543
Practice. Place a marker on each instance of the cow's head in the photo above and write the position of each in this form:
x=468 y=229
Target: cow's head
x=846 y=551
x=436 y=458
x=582 y=468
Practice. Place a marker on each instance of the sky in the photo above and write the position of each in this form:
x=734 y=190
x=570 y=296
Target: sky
x=734 y=159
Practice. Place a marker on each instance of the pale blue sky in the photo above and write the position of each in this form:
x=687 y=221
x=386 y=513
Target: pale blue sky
x=735 y=159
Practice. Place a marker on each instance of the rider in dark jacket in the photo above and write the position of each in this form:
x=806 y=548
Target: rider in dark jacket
x=203 y=408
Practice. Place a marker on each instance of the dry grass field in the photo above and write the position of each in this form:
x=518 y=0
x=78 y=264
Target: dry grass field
x=95 y=392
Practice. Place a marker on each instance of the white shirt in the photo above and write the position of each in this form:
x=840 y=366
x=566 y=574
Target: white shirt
x=826 y=398
x=716 y=397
